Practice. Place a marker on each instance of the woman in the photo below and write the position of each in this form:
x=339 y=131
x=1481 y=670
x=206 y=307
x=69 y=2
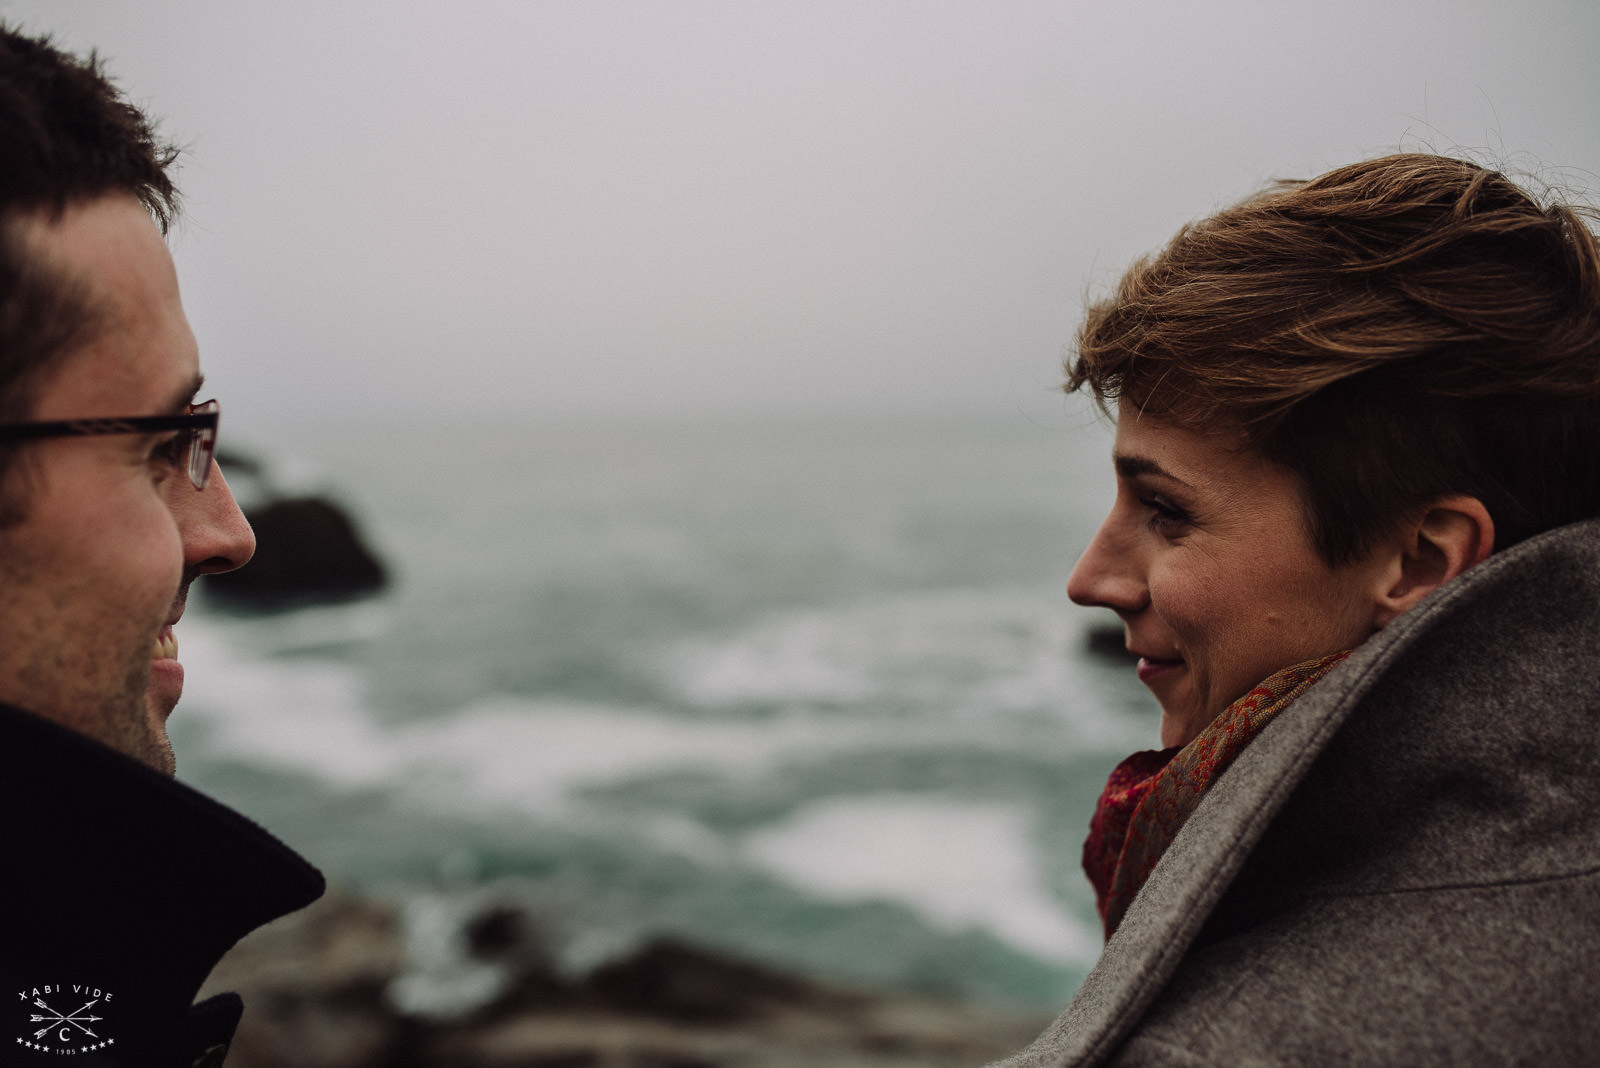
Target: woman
x=1373 y=835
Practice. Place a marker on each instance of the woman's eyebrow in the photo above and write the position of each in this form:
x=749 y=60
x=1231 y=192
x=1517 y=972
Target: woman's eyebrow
x=1136 y=466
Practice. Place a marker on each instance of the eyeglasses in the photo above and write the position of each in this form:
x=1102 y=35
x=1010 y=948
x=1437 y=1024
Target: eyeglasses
x=198 y=426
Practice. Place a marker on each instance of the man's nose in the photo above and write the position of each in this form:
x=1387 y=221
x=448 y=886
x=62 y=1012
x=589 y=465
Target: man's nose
x=216 y=536
x=1108 y=574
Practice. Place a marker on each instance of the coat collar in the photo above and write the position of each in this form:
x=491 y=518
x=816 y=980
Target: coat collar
x=123 y=881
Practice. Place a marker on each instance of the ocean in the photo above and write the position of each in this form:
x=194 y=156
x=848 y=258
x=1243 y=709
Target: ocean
x=810 y=692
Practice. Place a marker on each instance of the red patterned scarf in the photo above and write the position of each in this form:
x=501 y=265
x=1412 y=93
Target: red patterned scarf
x=1151 y=794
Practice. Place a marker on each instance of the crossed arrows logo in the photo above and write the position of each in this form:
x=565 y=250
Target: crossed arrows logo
x=55 y=1019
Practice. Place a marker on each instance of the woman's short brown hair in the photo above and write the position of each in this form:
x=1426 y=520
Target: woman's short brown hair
x=1394 y=332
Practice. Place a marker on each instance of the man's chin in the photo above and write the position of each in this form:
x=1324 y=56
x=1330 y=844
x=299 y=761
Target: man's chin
x=160 y=698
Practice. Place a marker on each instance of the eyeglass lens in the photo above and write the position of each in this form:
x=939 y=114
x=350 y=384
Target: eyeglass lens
x=203 y=446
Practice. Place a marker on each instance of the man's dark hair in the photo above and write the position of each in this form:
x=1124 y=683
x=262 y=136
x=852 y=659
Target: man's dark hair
x=67 y=135
x=1393 y=332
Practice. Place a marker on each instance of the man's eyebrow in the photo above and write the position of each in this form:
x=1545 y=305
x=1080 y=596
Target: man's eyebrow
x=1136 y=466
x=185 y=394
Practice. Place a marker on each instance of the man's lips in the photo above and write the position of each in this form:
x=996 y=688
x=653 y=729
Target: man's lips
x=166 y=646
x=166 y=675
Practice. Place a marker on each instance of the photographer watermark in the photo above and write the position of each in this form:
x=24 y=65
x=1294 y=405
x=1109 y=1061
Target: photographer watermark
x=65 y=1018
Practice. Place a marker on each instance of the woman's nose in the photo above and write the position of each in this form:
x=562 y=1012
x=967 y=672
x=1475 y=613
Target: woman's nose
x=1108 y=574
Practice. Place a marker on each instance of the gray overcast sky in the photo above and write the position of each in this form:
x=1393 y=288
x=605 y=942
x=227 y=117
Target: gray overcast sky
x=611 y=208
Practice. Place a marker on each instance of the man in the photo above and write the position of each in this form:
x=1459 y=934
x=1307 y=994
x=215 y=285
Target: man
x=123 y=887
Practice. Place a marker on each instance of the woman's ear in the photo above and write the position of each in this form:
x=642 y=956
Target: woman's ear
x=1450 y=536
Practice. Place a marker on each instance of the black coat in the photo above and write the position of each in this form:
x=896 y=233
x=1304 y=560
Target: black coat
x=122 y=889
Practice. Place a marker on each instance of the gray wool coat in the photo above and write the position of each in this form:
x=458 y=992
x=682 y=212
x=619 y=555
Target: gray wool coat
x=1402 y=869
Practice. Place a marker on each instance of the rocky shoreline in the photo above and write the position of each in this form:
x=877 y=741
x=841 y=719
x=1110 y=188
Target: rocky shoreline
x=340 y=985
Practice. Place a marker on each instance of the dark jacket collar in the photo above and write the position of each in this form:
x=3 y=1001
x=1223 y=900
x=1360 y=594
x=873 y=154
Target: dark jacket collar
x=123 y=881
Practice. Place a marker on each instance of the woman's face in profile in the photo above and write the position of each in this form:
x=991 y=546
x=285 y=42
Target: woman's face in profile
x=1207 y=559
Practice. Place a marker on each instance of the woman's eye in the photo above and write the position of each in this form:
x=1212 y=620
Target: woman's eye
x=1165 y=517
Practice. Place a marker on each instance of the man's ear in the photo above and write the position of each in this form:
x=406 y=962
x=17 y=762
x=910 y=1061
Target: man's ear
x=1451 y=535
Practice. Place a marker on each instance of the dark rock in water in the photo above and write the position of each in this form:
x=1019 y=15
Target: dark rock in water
x=236 y=463
x=1107 y=639
x=307 y=552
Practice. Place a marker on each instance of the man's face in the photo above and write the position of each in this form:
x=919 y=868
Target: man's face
x=112 y=532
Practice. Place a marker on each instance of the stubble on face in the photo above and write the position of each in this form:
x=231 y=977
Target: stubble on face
x=93 y=563
x=94 y=681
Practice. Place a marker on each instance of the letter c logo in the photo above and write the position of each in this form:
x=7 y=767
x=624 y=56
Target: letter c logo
x=66 y=1036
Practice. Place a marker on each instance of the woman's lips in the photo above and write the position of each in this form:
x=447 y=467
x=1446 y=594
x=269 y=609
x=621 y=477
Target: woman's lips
x=1153 y=668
